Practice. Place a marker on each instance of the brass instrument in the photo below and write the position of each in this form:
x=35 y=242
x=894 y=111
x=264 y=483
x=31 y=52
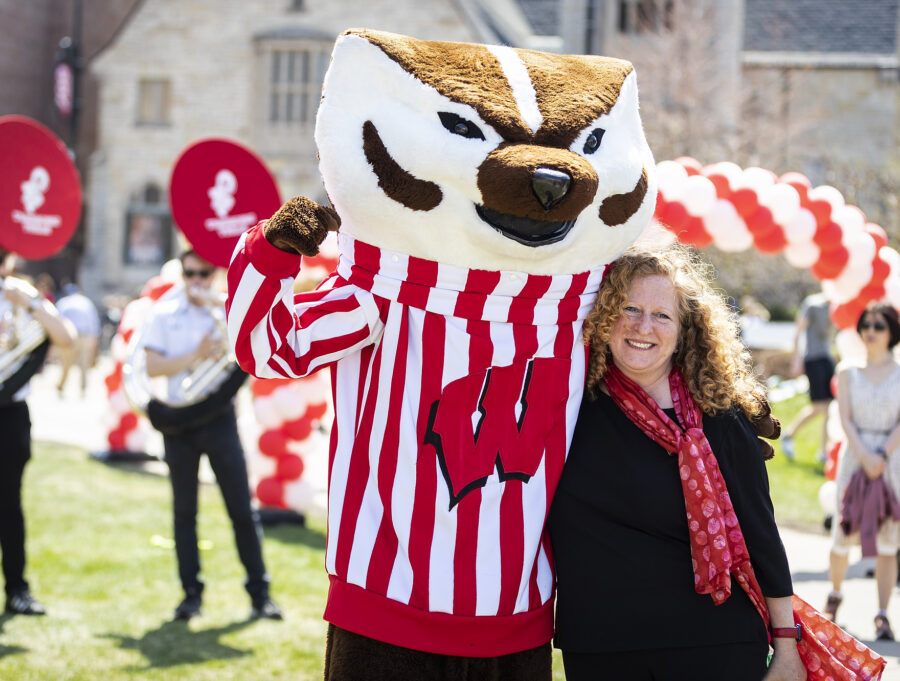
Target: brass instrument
x=23 y=341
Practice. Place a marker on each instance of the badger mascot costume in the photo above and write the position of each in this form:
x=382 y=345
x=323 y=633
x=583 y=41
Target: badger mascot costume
x=479 y=192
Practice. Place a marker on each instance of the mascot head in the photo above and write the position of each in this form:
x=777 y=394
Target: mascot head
x=484 y=157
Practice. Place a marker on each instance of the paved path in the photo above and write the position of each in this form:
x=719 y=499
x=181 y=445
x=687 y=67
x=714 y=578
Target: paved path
x=84 y=422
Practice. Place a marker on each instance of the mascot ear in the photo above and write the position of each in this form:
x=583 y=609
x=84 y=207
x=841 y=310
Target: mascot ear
x=300 y=225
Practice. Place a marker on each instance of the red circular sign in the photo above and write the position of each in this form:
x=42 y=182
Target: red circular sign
x=40 y=191
x=218 y=190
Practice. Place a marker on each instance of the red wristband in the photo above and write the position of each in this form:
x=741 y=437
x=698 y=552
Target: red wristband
x=795 y=632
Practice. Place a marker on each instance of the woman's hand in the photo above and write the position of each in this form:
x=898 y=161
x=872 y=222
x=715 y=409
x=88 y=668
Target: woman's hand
x=786 y=663
x=872 y=464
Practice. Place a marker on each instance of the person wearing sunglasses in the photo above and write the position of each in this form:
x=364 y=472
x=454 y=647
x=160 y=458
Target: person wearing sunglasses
x=182 y=332
x=868 y=475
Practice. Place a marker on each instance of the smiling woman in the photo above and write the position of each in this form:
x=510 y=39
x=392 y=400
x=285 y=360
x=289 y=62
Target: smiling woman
x=664 y=489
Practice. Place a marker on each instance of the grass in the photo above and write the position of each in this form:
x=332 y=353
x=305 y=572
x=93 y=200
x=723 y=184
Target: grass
x=794 y=485
x=100 y=558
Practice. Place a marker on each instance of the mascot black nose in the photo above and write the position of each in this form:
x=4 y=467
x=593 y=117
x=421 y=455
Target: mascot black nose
x=550 y=186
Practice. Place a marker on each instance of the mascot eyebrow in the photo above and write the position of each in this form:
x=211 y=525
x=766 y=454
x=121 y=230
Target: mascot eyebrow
x=568 y=99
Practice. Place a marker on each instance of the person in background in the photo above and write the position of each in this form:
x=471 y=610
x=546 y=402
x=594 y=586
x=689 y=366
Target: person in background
x=812 y=356
x=81 y=311
x=181 y=333
x=660 y=575
x=15 y=426
x=869 y=407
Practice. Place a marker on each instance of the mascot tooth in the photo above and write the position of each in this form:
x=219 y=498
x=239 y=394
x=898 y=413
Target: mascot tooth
x=479 y=193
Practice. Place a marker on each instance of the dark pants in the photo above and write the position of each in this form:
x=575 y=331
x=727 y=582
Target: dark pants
x=15 y=450
x=219 y=441
x=351 y=657
x=732 y=661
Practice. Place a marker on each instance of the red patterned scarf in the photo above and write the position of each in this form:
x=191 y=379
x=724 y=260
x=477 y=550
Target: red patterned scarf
x=718 y=549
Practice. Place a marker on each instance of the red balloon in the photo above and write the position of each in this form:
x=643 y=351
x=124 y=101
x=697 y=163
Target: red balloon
x=270 y=492
x=770 y=242
x=126 y=335
x=289 y=467
x=155 y=288
x=832 y=461
x=720 y=182
x=273 y=443
x=745 y=202
x=261 y=387
x=129 y=421
x=660 y=204
x=846 y=315
x=114 y=380
x=318 y=410
x=880 y=271
x=821 y=210
x=877 y=233
x=870 y=293
x=116 y=439
x=831 y=263
x=828 y=234
x=693 y=234
x=674 y=215
x=798 y=181
x=298 y=429
x=761 y=221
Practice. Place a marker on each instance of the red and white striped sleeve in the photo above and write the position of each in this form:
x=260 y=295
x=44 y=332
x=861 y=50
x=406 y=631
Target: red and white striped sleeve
x=277 y=334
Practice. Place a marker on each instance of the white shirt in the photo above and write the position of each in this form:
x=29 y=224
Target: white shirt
x=176 y=327
x=11 y=321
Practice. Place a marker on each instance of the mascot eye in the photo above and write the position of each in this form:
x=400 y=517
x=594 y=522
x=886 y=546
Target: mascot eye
x=592 y=143
x=460 y=126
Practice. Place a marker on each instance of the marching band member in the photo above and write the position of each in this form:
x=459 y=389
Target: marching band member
x=181 y=333
x=15 y=424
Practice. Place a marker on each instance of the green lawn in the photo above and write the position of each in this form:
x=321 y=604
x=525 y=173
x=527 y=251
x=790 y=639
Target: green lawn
x=100 y=559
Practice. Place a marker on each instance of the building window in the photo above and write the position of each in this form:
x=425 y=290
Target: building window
x=148 y=228
x=645 y=16
x=294 y=83
x=153 y=102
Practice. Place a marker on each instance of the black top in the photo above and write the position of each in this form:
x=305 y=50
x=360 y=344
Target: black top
x=620 y=538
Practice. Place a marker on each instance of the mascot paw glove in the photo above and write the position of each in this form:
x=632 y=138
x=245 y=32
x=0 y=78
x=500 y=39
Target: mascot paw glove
x=300 y=225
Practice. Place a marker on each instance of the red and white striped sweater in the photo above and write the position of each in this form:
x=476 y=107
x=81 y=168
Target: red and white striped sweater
x=455 y=393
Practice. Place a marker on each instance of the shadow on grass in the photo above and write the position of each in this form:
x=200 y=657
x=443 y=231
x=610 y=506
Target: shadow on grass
x=296 y=534
x=9 y=650
x=174 y=643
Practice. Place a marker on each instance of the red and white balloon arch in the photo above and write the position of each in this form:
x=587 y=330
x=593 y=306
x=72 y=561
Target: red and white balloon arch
x=813 y=227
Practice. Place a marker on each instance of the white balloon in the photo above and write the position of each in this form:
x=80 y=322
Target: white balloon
x=891 y=257
x=136 y=440
x=802 y=254
x=269 y=418
x=299 y=494
x=827 y=193
x=171 y=271
x=259 y=466
x=850 y=218
x=699 y=195
x=860 y=246
x=670 y=179
x=852 y=279
x=828 y=498
x=757 y=179
x=118 y=404
x=892 y=290
x=286 y=402
x=731 y=171
x=850 y=346
x=800 y=227
x=782 y=200
x=725 y=226
x=835 y=430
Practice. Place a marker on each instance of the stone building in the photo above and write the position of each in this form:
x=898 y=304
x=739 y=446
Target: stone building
x=246 y=70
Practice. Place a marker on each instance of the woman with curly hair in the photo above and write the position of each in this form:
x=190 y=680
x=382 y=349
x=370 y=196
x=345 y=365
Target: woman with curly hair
x=669 y=562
